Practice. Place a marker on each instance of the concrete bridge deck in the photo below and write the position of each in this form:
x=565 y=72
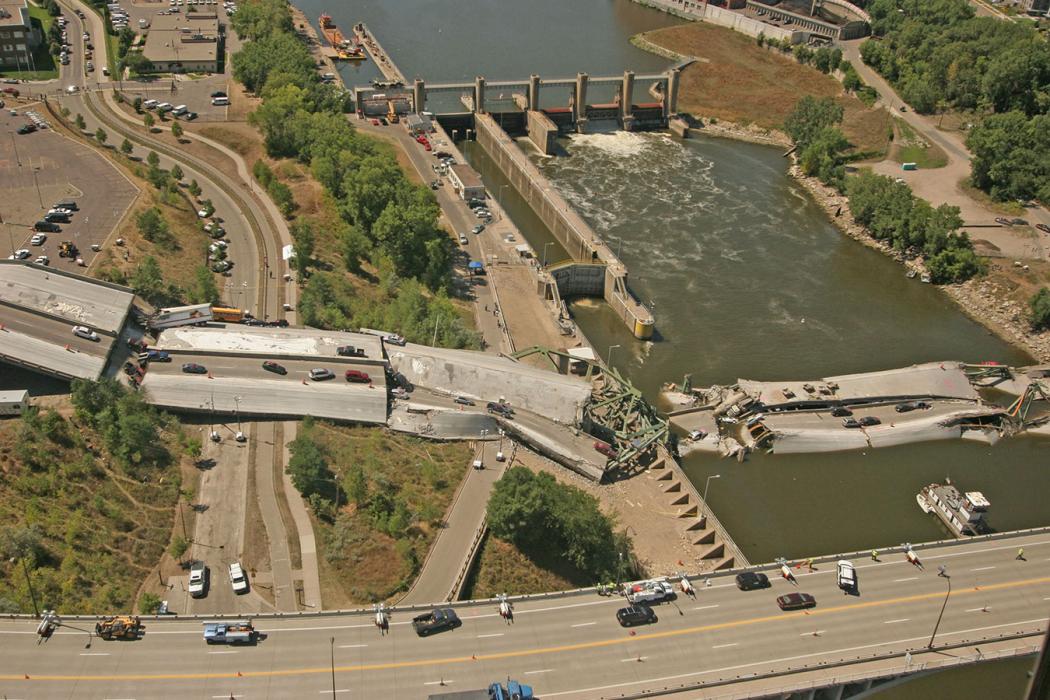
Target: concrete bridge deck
x=723 y=643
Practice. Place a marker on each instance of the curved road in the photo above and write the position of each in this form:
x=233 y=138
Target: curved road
x=568 y=645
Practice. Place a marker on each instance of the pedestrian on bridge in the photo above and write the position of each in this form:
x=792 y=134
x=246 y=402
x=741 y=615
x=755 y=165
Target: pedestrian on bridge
x=874 y=555
x=1020 y=554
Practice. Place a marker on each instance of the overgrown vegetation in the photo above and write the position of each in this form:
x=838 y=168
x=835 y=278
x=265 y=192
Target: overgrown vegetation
x=939 y=55
x=377 y=498
x=386 y=223
x=890 y=211
x=821 y=146
x=87 y=502
x=537 y=514
x=1040 y=305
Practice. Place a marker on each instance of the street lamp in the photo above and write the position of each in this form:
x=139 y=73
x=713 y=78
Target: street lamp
x=943 y=573
x=706 y=485
x=331 y=645
x=29 y=582
x=545 y=252
x=608 y=355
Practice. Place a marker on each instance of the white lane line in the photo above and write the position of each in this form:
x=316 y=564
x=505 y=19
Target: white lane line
x=902 y=580
x=351 y=646
x=814 y=633
x=634 y=658
x=542 y=670
x=585 y=624
x=723 y=646
x=483 y=636
x=704 y=607
x=982 y=568
x=222 y=652
x=441 y=682
x=326 y=692
x=785 y=659
x=227 y=697
x=94 y=653
x=984 y=609
x=891 y=622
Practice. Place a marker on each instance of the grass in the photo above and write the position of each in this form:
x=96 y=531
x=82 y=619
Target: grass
x=910 y=148
x=359 y=563
x=102 y=532
x=741 y=82
x=984 y=199
x=503 y=568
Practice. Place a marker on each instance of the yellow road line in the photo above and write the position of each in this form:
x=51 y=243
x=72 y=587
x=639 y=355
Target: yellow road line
x=542 y=650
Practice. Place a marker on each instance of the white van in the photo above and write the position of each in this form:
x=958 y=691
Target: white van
x=220 y=101
x=847 y=575
x=164 y=107
x=180 y=110
x=150 y=104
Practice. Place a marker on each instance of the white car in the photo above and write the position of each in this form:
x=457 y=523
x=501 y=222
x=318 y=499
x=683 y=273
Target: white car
x=43 y=260
x=847 y=575
x=85 y=333
x=20 y=254
x=198 y=579
x=649 y=591
x=237 y=578
x=203 y=213
x=72 y=89
x=218 y=244
x=38 y=239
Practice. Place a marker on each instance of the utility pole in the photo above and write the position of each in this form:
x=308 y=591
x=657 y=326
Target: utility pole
x=331 y=644
x=29 y=582
x=943 y=573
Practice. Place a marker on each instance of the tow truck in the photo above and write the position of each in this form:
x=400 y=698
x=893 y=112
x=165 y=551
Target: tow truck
x=232 y=632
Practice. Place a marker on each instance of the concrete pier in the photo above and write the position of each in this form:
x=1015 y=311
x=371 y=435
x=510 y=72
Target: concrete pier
x=575 y=235
x=579 y=103
x=379 y=55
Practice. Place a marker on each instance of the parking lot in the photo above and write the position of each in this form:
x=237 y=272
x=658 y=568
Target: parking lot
x=41 y=168
x=195 y=93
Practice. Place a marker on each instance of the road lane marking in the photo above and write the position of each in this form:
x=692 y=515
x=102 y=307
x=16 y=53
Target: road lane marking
x=634 y=658
x=704 y=607
x=902 y=580
x=723 y=646
x=982 y=568
x=94 y=653
x=891 y=622
x=542 y=670
x=483 y=636
x=352 y=646
x=226 y=697
x=814 y=633
x=610 y=642
x=585 y=624
x=222 y=652
x=984 y=609
x=441 y=682
x=320 y=692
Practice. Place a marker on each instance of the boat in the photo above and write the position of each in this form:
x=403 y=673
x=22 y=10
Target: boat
x=963 y=513
x=911 y=274
x=923 y=503
x=345 y=50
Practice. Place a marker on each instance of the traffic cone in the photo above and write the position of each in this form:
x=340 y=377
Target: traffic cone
x=209 y=376
x=304 y=382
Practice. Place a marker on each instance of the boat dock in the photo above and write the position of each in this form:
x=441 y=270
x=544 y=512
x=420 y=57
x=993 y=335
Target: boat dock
x=379 y=55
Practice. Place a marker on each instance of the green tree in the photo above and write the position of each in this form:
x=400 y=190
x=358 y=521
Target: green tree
x=823 y=157
x=155 y=229
x=148 y=282
x=178 y=547
x=126 y=147
x=194 y=189
x=282 y=197
x=138 y=63
x=303 y=241
x=308 y=466
x=1011 y=156
x=176 y=173
x=78 y=121
x=355 y=247
x=137 y=105
x=176 y=130
x=153 y=159
x=17 y=541
x=203 y=290
x=149 y=603
x=100 y=135
x=810 y=117
x=356 y=485
x=148 y=121
x=1040 y=305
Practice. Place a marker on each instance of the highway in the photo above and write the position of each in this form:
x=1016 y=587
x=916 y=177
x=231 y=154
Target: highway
x=568 y=645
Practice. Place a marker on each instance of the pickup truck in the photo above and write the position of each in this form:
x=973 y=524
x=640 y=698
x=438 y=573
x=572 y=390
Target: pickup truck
x=232 y=632
x=495 y=691
x=436 y=620
x=652 y=591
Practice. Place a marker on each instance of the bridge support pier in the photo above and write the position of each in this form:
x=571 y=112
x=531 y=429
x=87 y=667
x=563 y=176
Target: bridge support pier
x=579 y=103
x=534 y=91
x=479 y=95
x=674 y=76
x=419 y=96
x=627 y=100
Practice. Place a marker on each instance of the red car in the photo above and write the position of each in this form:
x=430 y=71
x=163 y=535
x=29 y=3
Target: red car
x=353 y=375
x=426 y=146
x=375 y=122
x=796 y=601
x=606 y=449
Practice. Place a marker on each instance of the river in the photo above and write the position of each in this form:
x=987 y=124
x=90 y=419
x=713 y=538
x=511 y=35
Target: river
x=747 y=278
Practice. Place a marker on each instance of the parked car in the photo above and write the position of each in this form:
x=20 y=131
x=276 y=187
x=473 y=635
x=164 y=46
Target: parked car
x=319 y=374
x=271 y=366
x=394 y=339
x=605 y=449
x=154 y=356
x=194 y=368
x=478 y=229
x=751 y=580
x=501 y=409
x=911 y=406
x=635 y=615
x=198 y=579
x=464 y=401
x=26 y=129
x=1043 y=227
x=841 y=412
x=650 y=592
x=218 y=93
x=85 y=333
x=38 y=239
x=20 y=254
x=238 y=580
x=850 y=423
x=42 y=260
x=47 y=226
x=1019 y=222
x=357 y=377
x=796 y=601
x=350 y=351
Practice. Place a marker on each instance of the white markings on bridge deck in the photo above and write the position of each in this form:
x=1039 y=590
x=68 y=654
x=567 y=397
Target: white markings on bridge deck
x=94 y=653
x=982 y=568
x=814 y=633
x=352 y=646
x=440 y=682
x=902 y=580
x=226 y=697
x=542 y=670
x=483 y=636
x=585 y=624
x=984 y=609
x=222 y=652
x=634 y=658
x=723 y=646
x=704 y=607
x=329 y=692
x=891 y=622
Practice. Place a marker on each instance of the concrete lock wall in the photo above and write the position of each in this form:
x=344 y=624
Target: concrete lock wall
x=580 y=279
x=542 y=131
x=705 y=12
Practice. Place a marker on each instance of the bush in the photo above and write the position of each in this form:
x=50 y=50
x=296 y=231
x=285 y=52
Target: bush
x=1040 y=305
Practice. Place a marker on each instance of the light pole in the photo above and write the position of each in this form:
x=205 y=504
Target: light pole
x=548 y=243
x=943 y=573
x=37 y=184
x=29 y=582
x=706 y=485
x=331 y=644
x=608 y=355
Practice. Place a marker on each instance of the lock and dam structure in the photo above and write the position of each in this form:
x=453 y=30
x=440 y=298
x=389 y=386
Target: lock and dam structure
x=593 y=269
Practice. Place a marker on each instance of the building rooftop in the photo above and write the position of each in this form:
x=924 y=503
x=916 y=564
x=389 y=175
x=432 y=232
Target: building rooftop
x=64 y=295
x=467 y=175
x=14 y=13
x=175 y=38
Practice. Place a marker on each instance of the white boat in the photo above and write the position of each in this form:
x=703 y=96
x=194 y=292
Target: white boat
x=923 y=503
x=962 y=513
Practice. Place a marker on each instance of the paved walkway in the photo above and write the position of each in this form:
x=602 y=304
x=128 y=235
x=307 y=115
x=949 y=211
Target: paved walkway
x=454 y=544
x=266 y=436
x=307 y=543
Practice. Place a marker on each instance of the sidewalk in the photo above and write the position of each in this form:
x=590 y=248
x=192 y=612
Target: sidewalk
x=307 y=543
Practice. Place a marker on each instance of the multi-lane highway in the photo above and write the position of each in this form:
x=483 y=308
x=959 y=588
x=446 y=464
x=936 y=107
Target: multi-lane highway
x=570 y=645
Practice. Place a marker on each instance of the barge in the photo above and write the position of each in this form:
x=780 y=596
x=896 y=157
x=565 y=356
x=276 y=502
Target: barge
x=345 y=50
x=962 y=513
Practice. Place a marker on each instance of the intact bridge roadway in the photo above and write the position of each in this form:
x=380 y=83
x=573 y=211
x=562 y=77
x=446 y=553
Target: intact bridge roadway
x=569 y=645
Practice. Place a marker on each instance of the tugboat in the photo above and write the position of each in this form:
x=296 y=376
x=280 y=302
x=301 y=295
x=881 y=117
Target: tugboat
x=962 y=513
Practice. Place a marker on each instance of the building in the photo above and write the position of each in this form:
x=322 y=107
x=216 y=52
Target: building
x=418 y=124
x=1036 y=7
x=187 y=43
x=17 y=36
x=466 y=182
x=13 y=402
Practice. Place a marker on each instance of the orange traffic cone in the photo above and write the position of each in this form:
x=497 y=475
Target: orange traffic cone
x=209 y=376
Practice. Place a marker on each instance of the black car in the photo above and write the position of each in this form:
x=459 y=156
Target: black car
x=219 y=93
x=55 y=217
x=194 y=368
x=350 y=351
x=1019 y=222
x=841 y=412
x=635 y=615
x=751 y=580
x=436 y=620
x=867 y=421
x=47 y=227
x=271 y=366
x=796 y=601
x=27 y=129
x=850 y=423
x=500 y=409
x=463 y=401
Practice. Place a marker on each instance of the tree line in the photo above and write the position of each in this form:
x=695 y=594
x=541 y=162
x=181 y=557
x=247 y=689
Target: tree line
x=939 y=55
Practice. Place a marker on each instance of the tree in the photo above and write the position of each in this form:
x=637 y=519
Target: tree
x=308 y=466
x=78 y=121
x=137 y=104
x=126 y=147
x=148 y=282
x=176 y=130
x=22 y=541
x=194 y=189
x=148 y=121
x=100 y=135
x=154 y=228
x=149 y=604
x=153 y=159
x=810 y=117
x=356 y=485
x=1011 y=156
x=282 y=197
x=203 y=290
x=303 y=244
x=823 y=157
x=355 y=247
x=178 y=547
x=138 y=63
x=1040 y=305
x=176 y=173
